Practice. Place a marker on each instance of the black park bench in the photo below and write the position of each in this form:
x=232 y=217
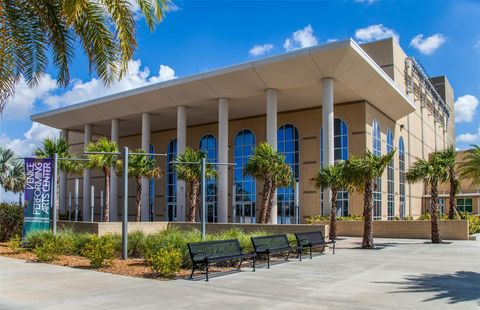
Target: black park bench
x=267 y=245
x=204 y=254
x=314 y=239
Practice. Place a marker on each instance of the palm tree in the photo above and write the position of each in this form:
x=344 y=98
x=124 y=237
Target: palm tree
x=361 y=172
x=139 y=166
x=449 y=156
x=269 y=166
x=190 y=172
x=12 y=174
x=431 y=172
x=470 y=169
x=103 y=162
x=33 y=30
x=61 y=147
x=333 y=177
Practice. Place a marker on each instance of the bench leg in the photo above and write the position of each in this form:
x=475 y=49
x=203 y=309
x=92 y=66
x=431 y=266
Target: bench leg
x=240 y=264
x=288 y=255
x=206 y=271
x=333 y=248
x=253 y=263
x=310 y=252
x=193 y=270
x=300 y=254
x=268 y=260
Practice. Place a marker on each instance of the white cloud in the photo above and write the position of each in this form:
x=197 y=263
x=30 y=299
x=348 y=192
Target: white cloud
x=300 y=39
x=465 y=108
x=260 y=50
x=428 y=45
x=31 y=139
x=375 y=32
x=22 y=103
x=134 y=78
x=471 y=138
x=365 y=1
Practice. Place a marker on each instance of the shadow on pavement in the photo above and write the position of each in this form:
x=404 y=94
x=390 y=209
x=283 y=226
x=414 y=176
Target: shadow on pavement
x=460 y=286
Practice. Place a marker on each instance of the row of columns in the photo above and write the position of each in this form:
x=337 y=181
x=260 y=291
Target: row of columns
x=222 y=194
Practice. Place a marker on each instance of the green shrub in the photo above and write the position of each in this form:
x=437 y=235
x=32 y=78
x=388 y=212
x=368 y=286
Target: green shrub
x=100 y=250
x=11 y=221
x=314 y=218
x=47 y=251
x=351 y=217
x=166 y=262
x=15 y=244
x=473 y=222
x=428 y=217
x=136 y=244
x=38 y=237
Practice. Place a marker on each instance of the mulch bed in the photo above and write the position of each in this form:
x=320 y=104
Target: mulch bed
x=131 y=267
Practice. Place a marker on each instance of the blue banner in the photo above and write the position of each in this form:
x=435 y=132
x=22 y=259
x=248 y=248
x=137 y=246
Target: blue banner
x=38 y=194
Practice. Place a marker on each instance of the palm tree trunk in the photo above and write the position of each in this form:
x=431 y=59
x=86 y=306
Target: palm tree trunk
x=138 y=199
x=106 y=209
x=367 y=242
x=436 y=238
x=453 y=192
x=193 y=198
x=333 y=215
x=271 y=198
x=267 y=183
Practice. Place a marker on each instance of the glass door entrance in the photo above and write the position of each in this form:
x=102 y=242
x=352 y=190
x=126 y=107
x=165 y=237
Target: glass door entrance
x=245 y=213
x=171 y=212
x=211 y=212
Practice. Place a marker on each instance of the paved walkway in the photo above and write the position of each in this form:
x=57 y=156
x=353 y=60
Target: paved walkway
x=400 y=274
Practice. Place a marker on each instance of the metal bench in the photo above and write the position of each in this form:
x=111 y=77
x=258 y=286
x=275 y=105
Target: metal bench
x=274 y=244
x=314 y=239
x=204 y=254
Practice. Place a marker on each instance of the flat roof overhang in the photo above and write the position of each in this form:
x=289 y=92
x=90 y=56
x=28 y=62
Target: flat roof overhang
x=296 y=76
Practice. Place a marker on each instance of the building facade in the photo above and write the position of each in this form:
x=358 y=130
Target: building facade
x=315 y=105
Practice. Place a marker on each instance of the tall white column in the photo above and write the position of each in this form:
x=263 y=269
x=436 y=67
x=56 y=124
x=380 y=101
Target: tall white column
x=272 y=136
x=63 y=180
x=87 y=138
x=114 y=137
x=181 y=145
x=146 y=147
x=328 y=142
x=222 y=203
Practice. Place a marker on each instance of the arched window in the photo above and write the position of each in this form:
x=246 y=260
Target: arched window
x=401 y=167
x=288 y=144
x=391 y=178
x=245 y=185
x=340 y=137
x=208 y=145
x=171 y=182
x=151 y=191
x=377 y=192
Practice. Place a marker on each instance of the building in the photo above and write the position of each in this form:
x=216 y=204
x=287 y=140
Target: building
x=467 y=199
x=317 y=105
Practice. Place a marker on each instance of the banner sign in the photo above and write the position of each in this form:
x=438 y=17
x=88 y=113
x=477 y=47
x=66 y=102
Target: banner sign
x=38 y=194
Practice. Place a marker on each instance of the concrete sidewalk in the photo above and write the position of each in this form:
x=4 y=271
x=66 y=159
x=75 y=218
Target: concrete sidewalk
x=400 y=274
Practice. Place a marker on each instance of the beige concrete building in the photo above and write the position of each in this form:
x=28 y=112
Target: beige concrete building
x=316 y=105
x=467 y=200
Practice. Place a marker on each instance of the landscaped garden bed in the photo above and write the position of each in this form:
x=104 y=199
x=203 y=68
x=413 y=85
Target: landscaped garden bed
x=163 y=255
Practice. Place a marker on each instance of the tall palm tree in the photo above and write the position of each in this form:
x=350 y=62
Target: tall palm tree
x=361 y=172
x=470 y=169
x=431 y=172
x=103 y=162
x=333 y=177
x=61 y=147
x=449 y=157
x=192 y=174
x=32 y=30
x=281 y=177
x=139 y=166
x=267 y=165
x=12 y=174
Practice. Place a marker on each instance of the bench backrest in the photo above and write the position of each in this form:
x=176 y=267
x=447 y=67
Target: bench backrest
x=274 y=242
x=214 y=249
x=311 y=237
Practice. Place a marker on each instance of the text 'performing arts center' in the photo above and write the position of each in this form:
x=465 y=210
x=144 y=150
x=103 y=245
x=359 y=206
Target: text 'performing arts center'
x=316 y=105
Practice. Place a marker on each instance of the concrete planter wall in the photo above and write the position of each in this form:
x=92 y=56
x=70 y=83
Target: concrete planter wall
x=449 y=230
x=100 y=228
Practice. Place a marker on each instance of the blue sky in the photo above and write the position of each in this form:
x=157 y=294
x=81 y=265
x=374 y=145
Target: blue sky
x=198 y=36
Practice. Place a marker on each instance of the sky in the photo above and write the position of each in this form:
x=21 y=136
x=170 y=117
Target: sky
x=198 y=36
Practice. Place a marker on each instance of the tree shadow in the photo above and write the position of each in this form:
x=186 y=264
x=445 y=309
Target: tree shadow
x=460 y=286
